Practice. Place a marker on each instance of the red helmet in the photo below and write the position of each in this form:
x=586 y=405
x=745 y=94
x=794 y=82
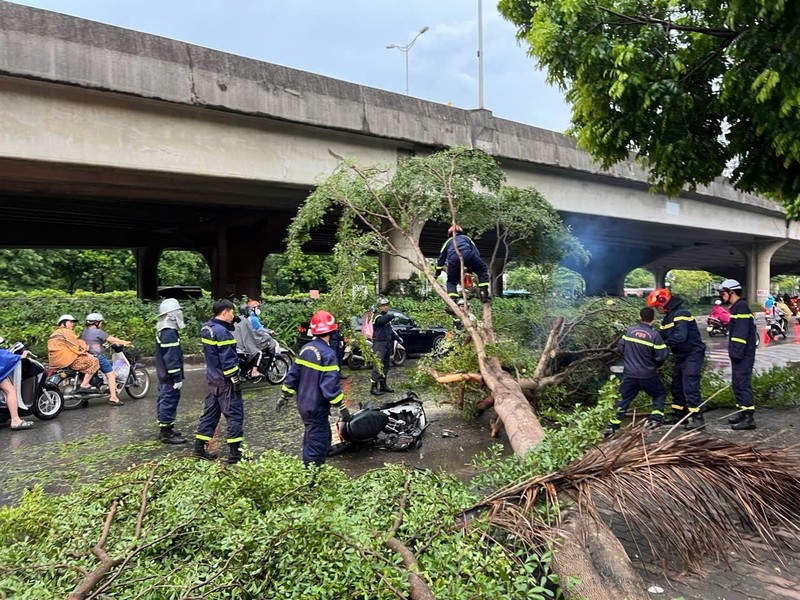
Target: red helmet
x=322 y=322
x=456 y=228
x=658 y=297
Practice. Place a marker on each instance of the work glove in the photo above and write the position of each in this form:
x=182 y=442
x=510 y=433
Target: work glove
x=344 y=414
x=282 y=401
x=177 y=385
x=237 y=384
x=438 y=271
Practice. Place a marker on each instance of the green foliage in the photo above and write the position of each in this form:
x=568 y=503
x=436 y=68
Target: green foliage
x=639 y=278
x=260 y=531
x=689 y=87
x=182 y=267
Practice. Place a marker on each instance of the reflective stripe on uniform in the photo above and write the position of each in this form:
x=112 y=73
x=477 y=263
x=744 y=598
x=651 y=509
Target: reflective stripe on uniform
x=316 y=367
x=668 y=325
x=643 y=342
x=231 y=371
x=742 y=316
x=656 y=412
x=739 y=340
x=683 y=319
x=338 y=400
x=287 y=390
x=171 y=345
x=218 y=343
x=174 y=371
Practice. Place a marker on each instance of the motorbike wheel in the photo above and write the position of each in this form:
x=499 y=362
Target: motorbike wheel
x=50 y=402
x=399 y=357
x=69 y=392
x=355 y=362
x=138 y=382
x=278 y=370
x=772 y=333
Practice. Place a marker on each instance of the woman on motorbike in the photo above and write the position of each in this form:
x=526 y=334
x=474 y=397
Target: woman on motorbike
x=95 y=338
x=719 y=313
x=64 y=349
x=9 y=362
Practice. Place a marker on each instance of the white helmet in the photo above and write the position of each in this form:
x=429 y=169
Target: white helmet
x=730 y=285
x=718 y=302
x=93 y=318
x=63 y=318
x=168 y=305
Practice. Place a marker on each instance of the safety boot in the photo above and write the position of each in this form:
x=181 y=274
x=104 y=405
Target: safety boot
x=746 y=423
x=201 y=450
x=736 y=417
x=234 y=453
x=696 y=421
x=168 y=435
x=375 y=390
x=384 y=387
x=675 y=417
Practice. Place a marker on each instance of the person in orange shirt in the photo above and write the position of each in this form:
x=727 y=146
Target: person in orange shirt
x=64 y=349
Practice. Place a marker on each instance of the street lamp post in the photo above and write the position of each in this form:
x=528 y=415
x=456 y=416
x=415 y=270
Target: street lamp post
x=406 y=48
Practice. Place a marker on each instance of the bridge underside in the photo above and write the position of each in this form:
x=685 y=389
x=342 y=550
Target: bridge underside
x=237 y=223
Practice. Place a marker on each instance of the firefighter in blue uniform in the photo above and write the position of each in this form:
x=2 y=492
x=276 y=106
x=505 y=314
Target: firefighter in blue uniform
x=643 y=352
x=742 y=341
x=682 y=336
x=383 y=339
x=224 y=394
x=169 y=369
x=459 y=243
x=313 y=380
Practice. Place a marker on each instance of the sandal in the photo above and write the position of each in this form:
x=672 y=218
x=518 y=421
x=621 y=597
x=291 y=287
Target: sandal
x=117 y=403
x=22 y=425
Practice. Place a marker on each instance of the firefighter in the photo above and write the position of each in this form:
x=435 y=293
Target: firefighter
x=643 y=351
x=313 y=380
x=224 y=394
x=742 y=338
x=459 y=244
x=383 y=339
x=169 y=368
x=682 y=336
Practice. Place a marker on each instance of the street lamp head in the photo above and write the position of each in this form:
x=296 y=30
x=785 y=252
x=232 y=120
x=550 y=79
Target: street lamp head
x=424 y=29
x=390 y=46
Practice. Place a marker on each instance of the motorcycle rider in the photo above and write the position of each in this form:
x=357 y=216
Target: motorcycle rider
x=383 y=338
x=682 y=336
x=251 y=342
x=313 y=379
x=9 y=362
x=742 y=352
x=95 y=337
x=224 y=389
x=719 y=313
x=458 y=244
x=169 y=368
x=64 y=349
x=785 y=312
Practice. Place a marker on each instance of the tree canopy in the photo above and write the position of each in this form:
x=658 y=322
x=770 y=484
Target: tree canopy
x=691 y=87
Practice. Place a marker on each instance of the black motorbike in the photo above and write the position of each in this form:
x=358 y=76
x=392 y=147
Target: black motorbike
x=395 y=426
x=777 y=324
x=716 y=327
x=131 y=376
x=355 y=359
x=38 y=396
x=273 y=368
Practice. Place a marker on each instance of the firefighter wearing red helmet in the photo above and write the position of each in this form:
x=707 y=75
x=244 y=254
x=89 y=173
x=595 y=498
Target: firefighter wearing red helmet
x=682 y=336
x=313 y=380
x=459 y=244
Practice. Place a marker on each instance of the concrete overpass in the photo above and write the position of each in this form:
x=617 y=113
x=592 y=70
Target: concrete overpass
x=158 y=144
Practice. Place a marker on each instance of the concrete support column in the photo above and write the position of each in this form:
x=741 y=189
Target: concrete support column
x=147 y=272
x=610 y=281
x=660 y=277
x=236 y=266
x=392 y=267
x=759 y=257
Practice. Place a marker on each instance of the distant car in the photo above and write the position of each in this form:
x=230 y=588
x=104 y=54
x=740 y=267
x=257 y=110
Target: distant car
x=180 y=292
x=415 y=339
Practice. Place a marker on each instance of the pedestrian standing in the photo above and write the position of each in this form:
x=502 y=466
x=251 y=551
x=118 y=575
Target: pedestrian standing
x=224 y=394
x=169 y=369
x=383 y=338
x=682 y=336
x=313 y=380
x=643 y=352
x=742 y=352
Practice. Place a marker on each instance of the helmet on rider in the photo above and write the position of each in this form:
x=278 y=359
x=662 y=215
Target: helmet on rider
x=455 y=228
x=253 y=303
x=64 y=318
x=461 y=302
x=94 y=319
x=168 y=306
x=730 y=285
x=658 y=297
x=718 y=302
x=244 y=310
x=322 y=322
x=383 y=301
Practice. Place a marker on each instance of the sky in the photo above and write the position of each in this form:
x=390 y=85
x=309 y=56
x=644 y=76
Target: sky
x=347 y=39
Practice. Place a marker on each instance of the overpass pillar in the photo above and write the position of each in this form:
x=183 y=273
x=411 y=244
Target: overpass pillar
x=147 y=272
x=759 y=258
x=660 y=277
x=609 y=280
x=393 y=267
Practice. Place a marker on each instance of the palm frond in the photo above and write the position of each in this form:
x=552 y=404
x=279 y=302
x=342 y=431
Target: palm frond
x=691 y=497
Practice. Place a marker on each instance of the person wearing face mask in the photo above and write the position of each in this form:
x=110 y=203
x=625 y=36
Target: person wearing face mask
x=169 y=368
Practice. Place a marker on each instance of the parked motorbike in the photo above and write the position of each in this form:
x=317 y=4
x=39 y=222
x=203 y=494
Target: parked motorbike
x=395 y=426
x=355 y=359
x=35 y=395
x=131 y=376
x=716 y=327
x=272 y=368
x=776 y=324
